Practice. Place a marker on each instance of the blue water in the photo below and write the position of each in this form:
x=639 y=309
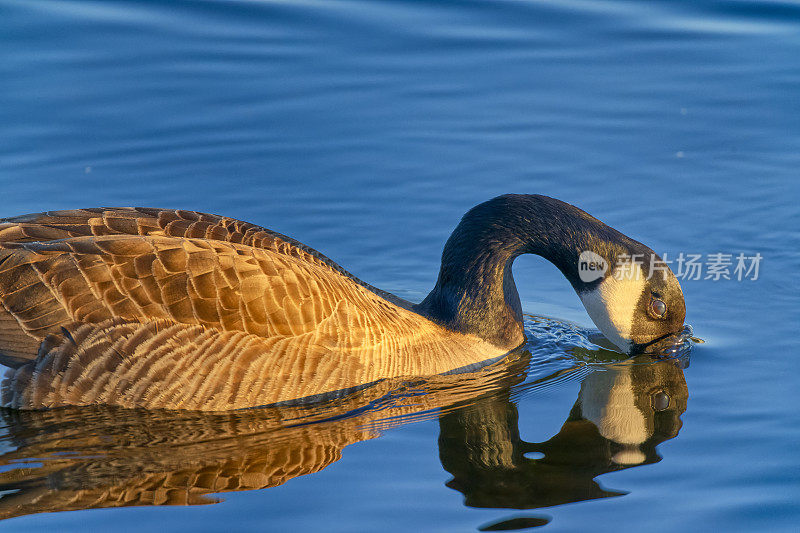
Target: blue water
x=365 y=129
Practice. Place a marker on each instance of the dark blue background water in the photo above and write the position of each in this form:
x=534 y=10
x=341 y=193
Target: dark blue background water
x=366 y=129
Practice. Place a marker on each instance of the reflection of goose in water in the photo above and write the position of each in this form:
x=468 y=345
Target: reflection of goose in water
x=623 y=411
x=178 y=309
x=110 y=457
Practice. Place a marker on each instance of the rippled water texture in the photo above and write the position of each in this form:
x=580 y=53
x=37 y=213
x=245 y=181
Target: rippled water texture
x=365 y=129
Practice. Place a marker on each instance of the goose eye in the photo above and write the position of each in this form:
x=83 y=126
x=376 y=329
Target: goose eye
x=658 y=308
x=659 y=401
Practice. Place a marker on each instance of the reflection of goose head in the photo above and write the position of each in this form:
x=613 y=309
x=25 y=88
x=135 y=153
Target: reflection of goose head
x=631 y=404
x=622 y=413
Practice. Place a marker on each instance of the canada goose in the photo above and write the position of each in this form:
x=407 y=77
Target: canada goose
x=156 y=308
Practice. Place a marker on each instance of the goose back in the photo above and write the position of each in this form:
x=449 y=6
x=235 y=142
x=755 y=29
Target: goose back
x=178 y=309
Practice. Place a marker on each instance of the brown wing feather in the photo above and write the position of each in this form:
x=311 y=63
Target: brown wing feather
x=250 y=326
x=53 y=225
x=231 y=287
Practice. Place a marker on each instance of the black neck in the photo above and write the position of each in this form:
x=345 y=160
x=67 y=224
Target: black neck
x=475 y=292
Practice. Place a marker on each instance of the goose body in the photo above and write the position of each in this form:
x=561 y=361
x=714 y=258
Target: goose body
x=156 y=308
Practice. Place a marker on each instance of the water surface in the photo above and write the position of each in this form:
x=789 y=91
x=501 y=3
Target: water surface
x=366 y=129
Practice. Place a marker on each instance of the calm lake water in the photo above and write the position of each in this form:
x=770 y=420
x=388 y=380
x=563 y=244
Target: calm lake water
x=365 y=129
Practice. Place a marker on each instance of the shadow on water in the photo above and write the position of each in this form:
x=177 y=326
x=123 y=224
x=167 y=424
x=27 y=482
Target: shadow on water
x=100 y=457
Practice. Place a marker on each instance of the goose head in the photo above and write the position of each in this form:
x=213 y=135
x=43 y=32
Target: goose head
x=635 y=300
x=627 y=289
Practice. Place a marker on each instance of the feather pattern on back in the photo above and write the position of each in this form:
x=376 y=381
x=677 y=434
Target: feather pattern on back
x=178 y=309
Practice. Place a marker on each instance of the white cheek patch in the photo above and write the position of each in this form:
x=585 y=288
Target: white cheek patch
x=629 y=456
x=612 y=306
x=609 y=402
